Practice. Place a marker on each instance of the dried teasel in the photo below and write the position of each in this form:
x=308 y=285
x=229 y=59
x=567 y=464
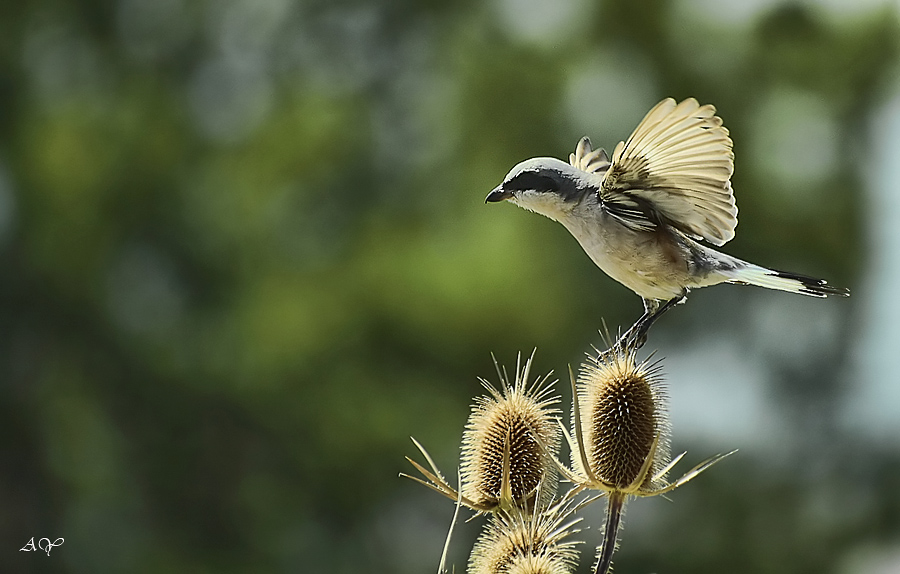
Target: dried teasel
x=621 y=430
x=518 y=542
x=505 y=447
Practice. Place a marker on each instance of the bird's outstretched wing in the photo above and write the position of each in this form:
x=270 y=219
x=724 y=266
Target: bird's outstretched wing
x=676 y=168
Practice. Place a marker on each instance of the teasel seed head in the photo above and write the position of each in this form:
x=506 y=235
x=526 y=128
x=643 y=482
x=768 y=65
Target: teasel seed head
x=623 y=421
x=503 y=456
x=509 y=446
x=519 y=542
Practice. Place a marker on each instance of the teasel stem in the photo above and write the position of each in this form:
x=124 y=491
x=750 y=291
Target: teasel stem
x=614 y=508
x=443 y=563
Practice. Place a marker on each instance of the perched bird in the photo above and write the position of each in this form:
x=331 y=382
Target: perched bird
x=642 y=216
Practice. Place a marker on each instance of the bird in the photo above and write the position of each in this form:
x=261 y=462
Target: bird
x=650 y=215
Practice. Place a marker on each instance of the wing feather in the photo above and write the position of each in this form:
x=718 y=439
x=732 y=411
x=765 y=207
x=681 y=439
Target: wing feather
x=586 y=159
x=668 y=127
x=678 y=163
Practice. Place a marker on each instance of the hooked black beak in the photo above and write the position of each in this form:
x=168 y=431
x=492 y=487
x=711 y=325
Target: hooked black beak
x=497 y=194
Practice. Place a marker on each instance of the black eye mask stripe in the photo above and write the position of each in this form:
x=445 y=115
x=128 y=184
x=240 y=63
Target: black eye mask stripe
x=531 y=180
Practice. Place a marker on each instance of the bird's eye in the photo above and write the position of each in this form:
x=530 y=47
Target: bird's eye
x=531 y=180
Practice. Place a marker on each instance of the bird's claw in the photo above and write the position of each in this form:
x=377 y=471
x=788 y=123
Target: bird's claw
x=631 y=340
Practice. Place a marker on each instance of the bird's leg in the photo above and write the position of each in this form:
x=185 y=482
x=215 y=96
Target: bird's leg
x=643 y=326
x=636 y=336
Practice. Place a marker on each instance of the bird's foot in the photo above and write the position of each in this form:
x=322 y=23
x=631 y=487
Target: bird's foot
x=629 y=341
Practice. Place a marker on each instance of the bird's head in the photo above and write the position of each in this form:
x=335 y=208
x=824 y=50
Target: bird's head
x=544 y=185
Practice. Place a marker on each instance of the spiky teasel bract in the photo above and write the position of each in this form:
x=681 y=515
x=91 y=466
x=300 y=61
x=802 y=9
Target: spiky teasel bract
x=519 y=542
x=621 y=443
x=503 y=461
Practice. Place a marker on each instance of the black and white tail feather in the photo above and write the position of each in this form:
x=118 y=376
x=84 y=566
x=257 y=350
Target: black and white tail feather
x=784 y=281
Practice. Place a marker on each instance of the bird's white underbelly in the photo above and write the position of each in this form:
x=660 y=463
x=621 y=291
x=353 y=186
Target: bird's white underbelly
x=635 y=259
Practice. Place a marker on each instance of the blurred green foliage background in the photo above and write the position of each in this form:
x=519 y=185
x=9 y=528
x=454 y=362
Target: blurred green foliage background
x=245 y=255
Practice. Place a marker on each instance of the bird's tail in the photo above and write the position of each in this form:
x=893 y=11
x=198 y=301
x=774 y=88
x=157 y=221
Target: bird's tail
x=750 y=274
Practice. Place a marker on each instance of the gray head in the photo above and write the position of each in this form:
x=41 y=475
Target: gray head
x=545 y=185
